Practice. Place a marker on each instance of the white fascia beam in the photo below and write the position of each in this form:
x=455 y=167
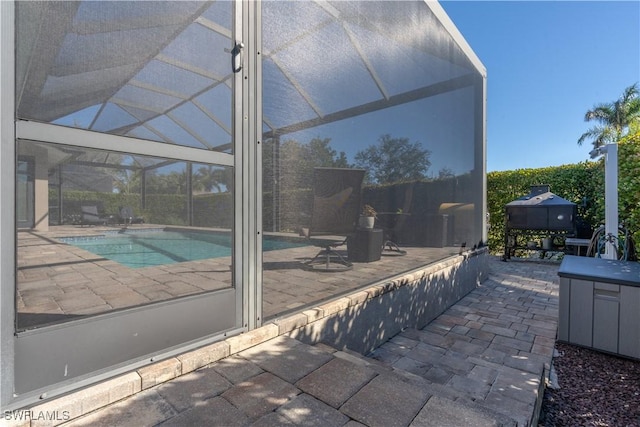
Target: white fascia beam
x=45 y=132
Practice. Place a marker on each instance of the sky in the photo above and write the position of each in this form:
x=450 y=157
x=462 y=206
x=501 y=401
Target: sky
x=548 y=62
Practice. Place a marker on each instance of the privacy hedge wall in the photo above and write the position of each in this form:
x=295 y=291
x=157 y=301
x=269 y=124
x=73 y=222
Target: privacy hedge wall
x=629 y=183
x=581 y=183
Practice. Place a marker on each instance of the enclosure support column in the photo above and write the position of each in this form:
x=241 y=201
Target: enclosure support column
x=143 y=189
x=7 y=202
x=189 y=191
x=276 y=183
x=248 y=162
x=60 y=200
x=253 y=108
x=611 y=200
x=480 y=156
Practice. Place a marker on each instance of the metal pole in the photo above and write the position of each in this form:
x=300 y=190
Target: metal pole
x=611 y=200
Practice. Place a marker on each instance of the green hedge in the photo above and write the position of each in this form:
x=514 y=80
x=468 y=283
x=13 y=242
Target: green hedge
x=629 y=183
x=209 y=210
x=108 y=203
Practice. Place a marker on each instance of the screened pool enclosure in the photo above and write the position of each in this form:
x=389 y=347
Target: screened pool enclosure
x=155 y=129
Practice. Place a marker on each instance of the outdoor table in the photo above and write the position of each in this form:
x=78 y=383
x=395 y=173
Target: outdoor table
x=364 y=245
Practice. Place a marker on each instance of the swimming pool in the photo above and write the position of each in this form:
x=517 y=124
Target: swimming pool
x=152 y=248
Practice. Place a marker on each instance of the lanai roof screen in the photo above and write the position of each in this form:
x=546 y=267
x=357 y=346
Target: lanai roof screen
x=389 y=87
x=372 y=54
x=151 y=70
x=137 y=68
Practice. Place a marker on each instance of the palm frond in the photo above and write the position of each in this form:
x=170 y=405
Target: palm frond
x=601 y=135
x=630 y=93
x=594 y=132
x=613 y=118
x=601 y=113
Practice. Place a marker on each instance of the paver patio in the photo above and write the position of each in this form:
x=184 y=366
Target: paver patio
x=481 y=363
x=58 y=282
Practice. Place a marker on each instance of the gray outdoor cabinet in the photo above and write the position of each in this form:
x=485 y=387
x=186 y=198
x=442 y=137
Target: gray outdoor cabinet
x=600 y=304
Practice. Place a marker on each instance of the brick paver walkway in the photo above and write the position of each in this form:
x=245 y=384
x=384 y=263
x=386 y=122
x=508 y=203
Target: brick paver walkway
x=481 y=363
x=493 y=345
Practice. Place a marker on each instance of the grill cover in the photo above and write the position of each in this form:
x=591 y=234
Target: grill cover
x=541 y=210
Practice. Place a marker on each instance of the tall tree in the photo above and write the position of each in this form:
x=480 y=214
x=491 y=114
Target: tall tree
x=210 y=178
x=127 y=181
x=446 y=173
x=394 y=160
x=320 y=153
x=297 y=161
x=613 y=118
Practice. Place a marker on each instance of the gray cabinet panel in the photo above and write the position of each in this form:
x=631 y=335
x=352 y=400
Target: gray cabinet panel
x=563 y=314
x=581 y=312
x=630 y=321
x=605 y=323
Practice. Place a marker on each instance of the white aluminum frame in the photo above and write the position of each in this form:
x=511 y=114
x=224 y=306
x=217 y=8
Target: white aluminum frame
x=34 y=131
x=254 y=151
x=7 y=201
x=457 y=37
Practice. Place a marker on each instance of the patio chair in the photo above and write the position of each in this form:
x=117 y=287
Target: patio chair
x=91 y=216
x=334 y=215
x=126 y=216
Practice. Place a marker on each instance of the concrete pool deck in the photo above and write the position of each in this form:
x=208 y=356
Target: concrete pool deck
x=58 y=282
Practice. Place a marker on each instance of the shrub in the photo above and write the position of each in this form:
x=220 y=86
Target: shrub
x=629 y=183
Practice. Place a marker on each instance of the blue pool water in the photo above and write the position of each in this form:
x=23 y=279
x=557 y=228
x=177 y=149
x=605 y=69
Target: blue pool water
x=151 y=248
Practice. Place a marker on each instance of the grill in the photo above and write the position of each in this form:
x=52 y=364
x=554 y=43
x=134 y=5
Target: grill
x=539 y=213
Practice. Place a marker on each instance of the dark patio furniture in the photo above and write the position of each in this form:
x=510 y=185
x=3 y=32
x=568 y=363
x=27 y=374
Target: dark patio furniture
x=389 y=222
x=126 y=216
x=91 y=216
x=365 y=245
x=335 y=212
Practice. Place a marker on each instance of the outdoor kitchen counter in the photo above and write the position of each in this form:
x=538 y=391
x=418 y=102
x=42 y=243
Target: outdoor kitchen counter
x=600 y=270
x=600 y=304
